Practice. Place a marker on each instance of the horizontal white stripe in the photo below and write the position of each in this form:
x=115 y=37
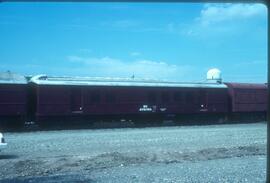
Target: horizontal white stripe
x=87 y=81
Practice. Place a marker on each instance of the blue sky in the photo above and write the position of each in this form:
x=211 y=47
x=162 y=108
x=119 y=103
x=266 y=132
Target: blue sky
x=169 y=41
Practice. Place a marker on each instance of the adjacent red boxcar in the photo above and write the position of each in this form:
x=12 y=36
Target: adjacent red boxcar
x=13 y=99
x=248 y=101
x=248 y=97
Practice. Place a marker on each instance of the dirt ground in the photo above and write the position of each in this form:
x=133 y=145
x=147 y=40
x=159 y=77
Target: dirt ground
x=163 y=154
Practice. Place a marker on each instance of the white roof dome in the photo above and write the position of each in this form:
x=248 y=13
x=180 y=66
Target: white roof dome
x=214 y=74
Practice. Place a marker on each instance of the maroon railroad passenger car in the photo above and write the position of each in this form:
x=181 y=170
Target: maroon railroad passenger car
x=126 y=99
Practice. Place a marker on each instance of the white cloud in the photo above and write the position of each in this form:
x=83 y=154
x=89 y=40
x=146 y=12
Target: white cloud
x=143 y=68
x=75 y=59
x=228 y=21
x=135 y=53
x=215 y=13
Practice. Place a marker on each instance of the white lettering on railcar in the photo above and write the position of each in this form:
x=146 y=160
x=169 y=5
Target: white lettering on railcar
x=163 y=109
x=145 y=108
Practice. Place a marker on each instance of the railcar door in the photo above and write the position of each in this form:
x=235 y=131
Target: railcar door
x=76 y=100
x=203 y=101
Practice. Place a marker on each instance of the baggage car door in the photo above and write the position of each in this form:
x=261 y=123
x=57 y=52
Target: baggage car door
x=76 y=100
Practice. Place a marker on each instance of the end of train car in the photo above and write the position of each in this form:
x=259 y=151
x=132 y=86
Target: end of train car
x=13 y=99
x=248 y=101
